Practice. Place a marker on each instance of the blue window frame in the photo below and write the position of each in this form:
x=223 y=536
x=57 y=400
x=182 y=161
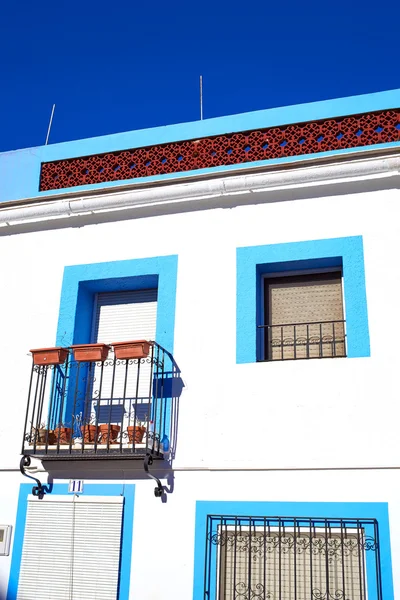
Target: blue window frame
x=82 y=282
x=364 y=526
x=255 y=261
x=103 y=489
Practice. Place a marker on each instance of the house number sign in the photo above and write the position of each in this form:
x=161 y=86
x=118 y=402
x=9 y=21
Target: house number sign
x=75 y=486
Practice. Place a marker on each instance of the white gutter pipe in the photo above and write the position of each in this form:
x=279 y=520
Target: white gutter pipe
x=43 y=209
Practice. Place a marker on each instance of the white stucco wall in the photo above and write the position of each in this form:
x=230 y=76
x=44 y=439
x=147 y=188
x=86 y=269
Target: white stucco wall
x=164 y=532
x=334 y=414
x=174 y=521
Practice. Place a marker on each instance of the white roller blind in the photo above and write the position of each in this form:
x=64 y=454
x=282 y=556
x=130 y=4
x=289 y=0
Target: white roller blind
x=96 y=550
x=71 y=548
x=120 y=317
x=123 y=316
x=47 y=552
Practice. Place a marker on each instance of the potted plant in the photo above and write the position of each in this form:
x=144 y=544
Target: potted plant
x=42 y=435
x=90 y=352
x=108 y=433
x=90 y=433
x=49 y=356
x=133 y=349
x=136 y=432
x=63 y=434
x=85 y=429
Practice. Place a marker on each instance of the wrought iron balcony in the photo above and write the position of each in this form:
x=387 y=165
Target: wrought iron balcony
x=108 y=408
x=294 y=341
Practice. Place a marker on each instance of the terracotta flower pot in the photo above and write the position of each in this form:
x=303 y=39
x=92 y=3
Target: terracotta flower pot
x=134 y=349
x=65 y=434
x=44 y=436
x=89 y=433
x=49 y=356
x=136 y=433
x=90 y=352
x=106 y=436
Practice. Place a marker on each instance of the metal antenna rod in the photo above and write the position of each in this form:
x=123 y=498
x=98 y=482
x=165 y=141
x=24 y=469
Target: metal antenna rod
x=201 y=97
x=51 y=121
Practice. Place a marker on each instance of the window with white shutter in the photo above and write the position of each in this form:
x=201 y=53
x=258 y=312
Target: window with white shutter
x=71 y=548
x=304 y=317
x=119 y=317
x=128 y=315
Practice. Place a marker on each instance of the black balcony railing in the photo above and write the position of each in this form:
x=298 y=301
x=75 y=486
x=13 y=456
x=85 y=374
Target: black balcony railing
x=114 y=408
x=293 y=341
x=291 y=558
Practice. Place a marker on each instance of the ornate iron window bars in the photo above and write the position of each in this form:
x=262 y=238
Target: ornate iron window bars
x=291 y=558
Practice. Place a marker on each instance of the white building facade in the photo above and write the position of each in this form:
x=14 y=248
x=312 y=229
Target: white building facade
x=265 y=277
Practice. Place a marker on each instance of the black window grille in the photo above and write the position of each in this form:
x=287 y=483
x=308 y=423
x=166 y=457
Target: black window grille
x=291 y=558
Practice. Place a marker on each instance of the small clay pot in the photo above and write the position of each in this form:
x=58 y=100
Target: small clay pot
x=136 y=433
x=108 y=436
x=44 y=436
x=65 y=434
x=89 y=433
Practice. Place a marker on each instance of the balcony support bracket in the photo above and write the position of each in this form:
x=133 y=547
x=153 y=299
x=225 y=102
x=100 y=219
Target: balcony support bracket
x=158 y=490
x=38 y=490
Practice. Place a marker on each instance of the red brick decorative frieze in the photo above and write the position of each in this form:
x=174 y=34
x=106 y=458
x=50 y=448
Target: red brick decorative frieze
x=231 y=149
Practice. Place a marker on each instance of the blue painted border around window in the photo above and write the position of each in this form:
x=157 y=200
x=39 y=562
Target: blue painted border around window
x=91 y=489
x=252 y=261
x=362 y=510
x=81 y=282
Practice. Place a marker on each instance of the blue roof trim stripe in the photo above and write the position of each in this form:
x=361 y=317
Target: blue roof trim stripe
x=28 y=161
x=260 y=119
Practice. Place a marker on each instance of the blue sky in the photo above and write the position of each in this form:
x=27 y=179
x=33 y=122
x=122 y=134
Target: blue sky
x=122 y=65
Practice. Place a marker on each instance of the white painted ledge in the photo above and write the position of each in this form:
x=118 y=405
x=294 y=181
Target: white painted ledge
x=195 y=193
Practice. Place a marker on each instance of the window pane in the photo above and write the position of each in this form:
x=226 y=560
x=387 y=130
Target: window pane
x=124 y=389
x=304 y=317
